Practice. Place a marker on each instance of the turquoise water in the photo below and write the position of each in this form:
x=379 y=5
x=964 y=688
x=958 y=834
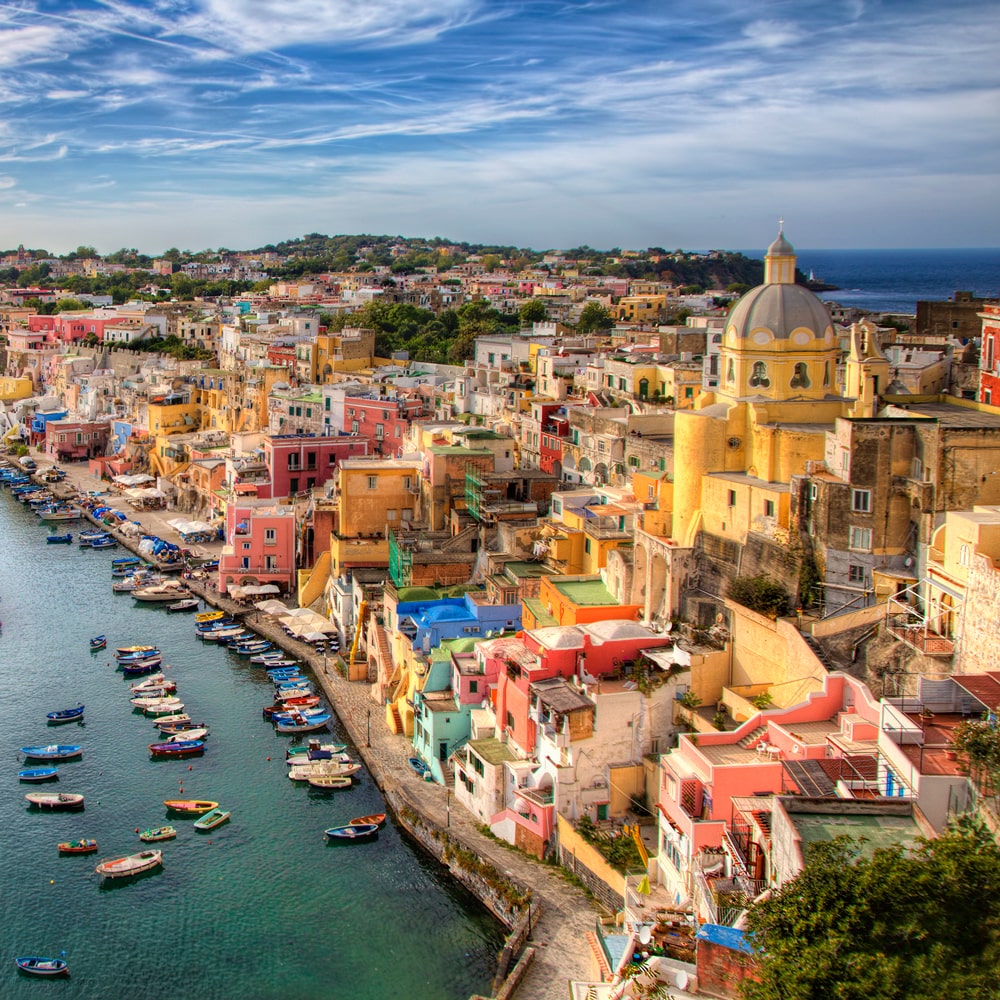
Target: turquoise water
x=260 y=908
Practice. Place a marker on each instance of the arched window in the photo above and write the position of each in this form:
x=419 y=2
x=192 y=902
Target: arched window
x=826 y=373
x=643 y=388
x=758 y=377
x=731 y=371
x=800 y=378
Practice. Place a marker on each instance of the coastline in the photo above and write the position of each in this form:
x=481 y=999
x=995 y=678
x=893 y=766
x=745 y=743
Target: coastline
x=547 y=939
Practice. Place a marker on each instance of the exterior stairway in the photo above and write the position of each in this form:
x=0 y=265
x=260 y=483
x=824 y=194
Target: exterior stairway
x=820 y=652
x=397 y=719
x=751 y=739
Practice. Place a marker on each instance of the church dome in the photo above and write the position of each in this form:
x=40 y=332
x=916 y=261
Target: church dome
x=777 y=312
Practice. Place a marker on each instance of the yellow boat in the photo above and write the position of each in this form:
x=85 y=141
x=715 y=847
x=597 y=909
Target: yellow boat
x=209 y=616
x=190 y=807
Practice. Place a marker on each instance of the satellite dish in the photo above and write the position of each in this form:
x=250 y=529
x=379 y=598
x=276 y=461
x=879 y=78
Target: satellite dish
x=645 y=933
x=682 y=980
x=668 y=627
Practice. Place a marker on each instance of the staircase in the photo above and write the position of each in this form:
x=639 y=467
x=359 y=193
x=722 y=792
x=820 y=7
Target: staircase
x=397 y=719
x=820 y=652
x=751 y=739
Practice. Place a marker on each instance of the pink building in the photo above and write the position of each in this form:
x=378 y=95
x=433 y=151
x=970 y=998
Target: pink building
x=260 y=545
x=70 y=440
x=298 y=462
x=383 y=420
x=73 y=327
x=826 y=745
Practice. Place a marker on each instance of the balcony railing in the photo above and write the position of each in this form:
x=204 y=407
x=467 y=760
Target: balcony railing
x=907 y=622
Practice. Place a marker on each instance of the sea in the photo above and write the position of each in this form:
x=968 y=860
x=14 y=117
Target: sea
x=895 y=280
x=261 y=908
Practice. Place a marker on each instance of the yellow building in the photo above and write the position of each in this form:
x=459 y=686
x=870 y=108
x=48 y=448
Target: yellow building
x=13 y=388
x=374 y=495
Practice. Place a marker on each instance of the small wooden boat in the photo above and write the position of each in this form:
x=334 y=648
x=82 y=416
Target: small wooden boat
x=209 y=616
x=330 y=782
x=308 y=726
x=131 y=864
x=84 y=846
x=136 y=668
x=153 y=682
x=99 y=642
x=171 y=720
x=377 y=818
x=37 y=966
x=182 y=748
x=38 y=773
x=66 y=715
x=130 y=650
x=173 y=728
x=188 y=604
x=190 y=807
x=54 y=751
x=305 y=749
x=104 y=543
x=352 y=832
x=165 y=706
x=195 y=733
x=317 y=768
x=419 y=766
x=156 y=833
x=55 y=800
x=66 y=539
x=212 y=819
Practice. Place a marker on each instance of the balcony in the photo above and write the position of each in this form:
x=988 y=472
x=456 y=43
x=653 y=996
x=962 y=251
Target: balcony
x=906 y=620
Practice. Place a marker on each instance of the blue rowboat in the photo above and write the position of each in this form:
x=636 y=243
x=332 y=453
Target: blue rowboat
x=36 y=966
x=351 y=832
x=66 y=539
x=38 y=773
x=419 y=766
x=99 y=642
x=66 y=715
x=54 y=751
x=182 y=748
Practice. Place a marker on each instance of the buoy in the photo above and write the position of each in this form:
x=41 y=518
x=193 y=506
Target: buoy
x=190 y=767
x=137 y=829
x=268 y=758
x=52 y=881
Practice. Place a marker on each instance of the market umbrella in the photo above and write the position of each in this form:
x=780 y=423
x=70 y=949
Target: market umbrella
x=643 y=887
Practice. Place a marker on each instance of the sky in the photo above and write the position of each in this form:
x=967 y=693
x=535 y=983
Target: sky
x=547 y=124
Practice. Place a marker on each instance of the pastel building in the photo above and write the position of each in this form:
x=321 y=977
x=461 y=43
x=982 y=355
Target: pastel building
x=260 y=545
x=297 y=462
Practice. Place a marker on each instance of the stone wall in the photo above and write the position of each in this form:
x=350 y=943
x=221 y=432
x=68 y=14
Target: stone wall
x=979 y=634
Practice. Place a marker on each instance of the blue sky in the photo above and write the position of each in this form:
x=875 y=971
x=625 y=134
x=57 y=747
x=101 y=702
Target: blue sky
x=208 y=123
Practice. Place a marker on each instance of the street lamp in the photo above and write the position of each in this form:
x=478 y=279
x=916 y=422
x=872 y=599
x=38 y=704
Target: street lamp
x=447 y=807
x=368 y=738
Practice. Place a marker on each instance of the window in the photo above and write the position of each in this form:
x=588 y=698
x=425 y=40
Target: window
x=768 y=508
x=293 y=485
x=861 y=501
x=651 y=492
x=800 y=376
x=758 y=377
x=731 y=498
x=271 y=562
x=397 y=431
x=963 y=555
x=813 y=491
x=246 y=546
x=270 y=536
x=406 y=482
x=373 y=482
x=407 y=513
x=586 y=546
x=354 y=427
x=245 y=562
x=510 y=720
x=860 y=539
x=473 y=687
x=857 y=575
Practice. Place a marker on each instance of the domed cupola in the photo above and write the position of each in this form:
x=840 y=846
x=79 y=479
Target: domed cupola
x=779 y=341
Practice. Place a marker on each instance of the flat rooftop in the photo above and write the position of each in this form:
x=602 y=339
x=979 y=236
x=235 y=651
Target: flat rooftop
x=877 y=831
x=947 y=414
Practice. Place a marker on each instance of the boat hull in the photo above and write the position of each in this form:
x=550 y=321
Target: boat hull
x=55 y=800
x=33 y=965
x=211 y=820
x=131 y=865
x=190 y=807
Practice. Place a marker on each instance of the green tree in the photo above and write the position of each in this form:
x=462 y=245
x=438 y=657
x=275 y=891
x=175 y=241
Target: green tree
x=760 y=593
x=894 y=925
x=533 y=311
x=594 y=317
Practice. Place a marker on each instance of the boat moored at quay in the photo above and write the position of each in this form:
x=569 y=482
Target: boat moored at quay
x=226 y=692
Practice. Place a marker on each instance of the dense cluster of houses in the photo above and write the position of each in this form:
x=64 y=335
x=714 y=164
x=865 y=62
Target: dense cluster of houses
x=529 y=556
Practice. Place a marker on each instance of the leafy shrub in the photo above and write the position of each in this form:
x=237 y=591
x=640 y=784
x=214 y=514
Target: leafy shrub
x=760 y=593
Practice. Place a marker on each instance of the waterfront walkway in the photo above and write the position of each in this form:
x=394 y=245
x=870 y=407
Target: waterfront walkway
x=562 y=914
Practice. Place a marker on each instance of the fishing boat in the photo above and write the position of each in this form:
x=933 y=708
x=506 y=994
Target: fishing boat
x=136 y=668
x=300 y=713
x=195 y=733
x=65 y=715
x=131 y=864
x=314 y=745
x=274 y=656
x=209 y=616
x=176 y=728
x=224 y=634
x=84 y=846
x=125 y=651
x=59 y=539
x=99 y=642
x=212 y=819
x=153 y=682
x=377 y=818
x=316 y=756
x=125 y=566
x=165 y=706
x=329 y=782
x=55 y=800
x=104 y=543
x=188 y=604
x=54 y=751
x=317 y=768
x=351 y=832
x=171 y=720
x=161 y=593
x=419 y=766
x=182 y=748
x=157 y=833
x=34 y=965
x=90 y=535
x=38 y=774
x=59 y=513
x=190 y=807
x=156 y=700
x=305 y=726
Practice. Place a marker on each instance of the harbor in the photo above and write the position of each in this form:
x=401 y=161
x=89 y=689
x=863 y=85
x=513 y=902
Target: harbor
x=558 y=917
